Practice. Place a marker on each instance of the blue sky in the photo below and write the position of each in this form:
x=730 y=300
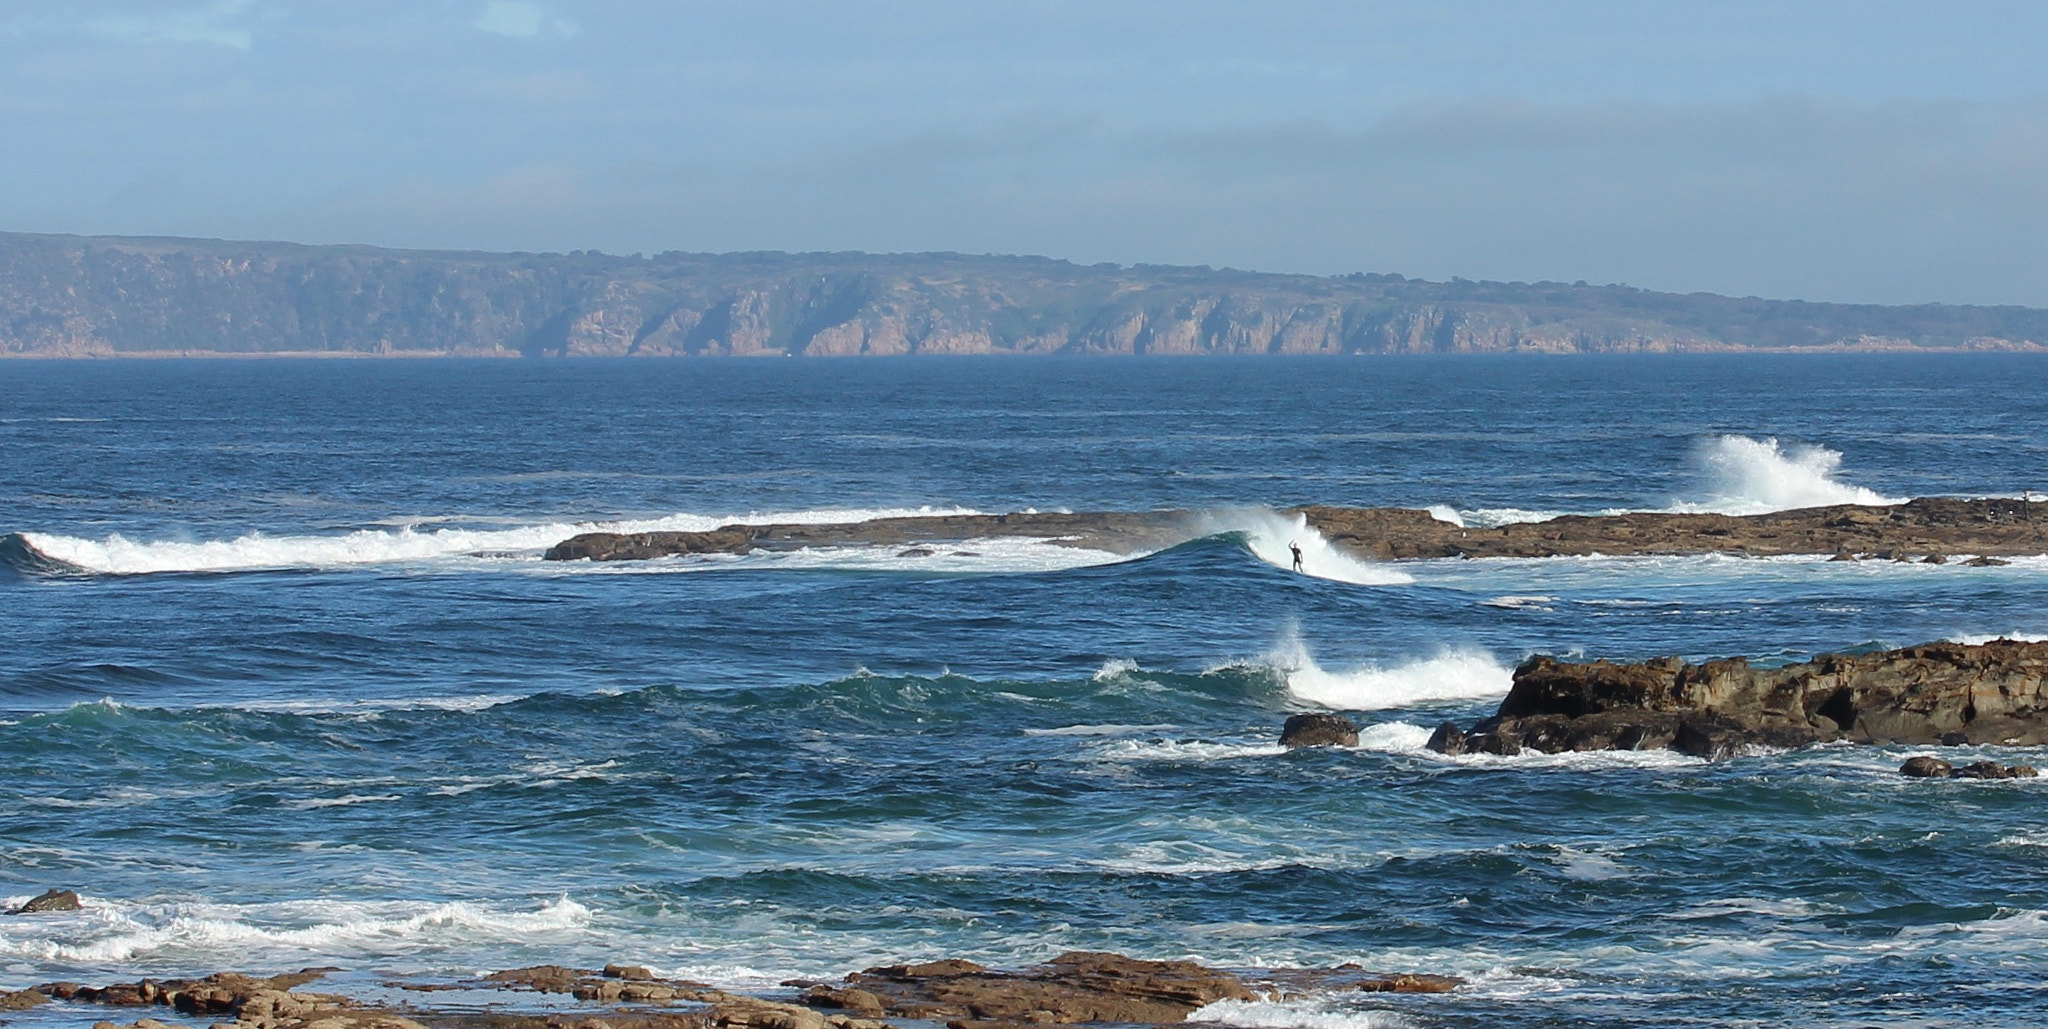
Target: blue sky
x=1885 y=152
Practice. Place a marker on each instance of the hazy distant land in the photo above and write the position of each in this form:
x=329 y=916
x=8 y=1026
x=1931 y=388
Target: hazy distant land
x=73 y=296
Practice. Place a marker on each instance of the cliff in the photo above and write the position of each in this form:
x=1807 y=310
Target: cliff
x=105 y=296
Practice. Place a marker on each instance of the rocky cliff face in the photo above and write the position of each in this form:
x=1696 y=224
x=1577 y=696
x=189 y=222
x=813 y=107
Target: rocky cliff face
x=77 y=296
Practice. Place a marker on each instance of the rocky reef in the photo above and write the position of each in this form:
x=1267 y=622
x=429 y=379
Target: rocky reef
x=1940 y=693
x=1927 y=530
x=1076 y=988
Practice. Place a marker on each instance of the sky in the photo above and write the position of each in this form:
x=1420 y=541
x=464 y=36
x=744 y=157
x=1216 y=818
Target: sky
x=1871 y=151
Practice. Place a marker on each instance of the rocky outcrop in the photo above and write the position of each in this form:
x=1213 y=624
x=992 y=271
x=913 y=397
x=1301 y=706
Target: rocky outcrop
x=1074 y=988
x=71 y=296
x=49 y=900
x=1939 y=693
x=1117 y=531
x=253 y=1003
x=1935 y=768
x=1916 y=530
x=1318 y=730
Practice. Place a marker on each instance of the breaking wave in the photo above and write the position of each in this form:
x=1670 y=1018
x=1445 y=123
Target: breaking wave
x=1268 y=535
x=119 y=555
x=1451 y=674
x=1755 y=476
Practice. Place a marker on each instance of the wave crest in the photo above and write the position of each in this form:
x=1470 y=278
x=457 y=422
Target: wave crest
x=1757 y=476
x=1451 y=674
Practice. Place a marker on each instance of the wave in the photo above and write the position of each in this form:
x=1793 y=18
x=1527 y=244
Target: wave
x=1268 y=535
x=108 y=933
x=1318 y=1013
x=47 y=553
x=1742 y=475
x=1757 y=476
x=1451 y=674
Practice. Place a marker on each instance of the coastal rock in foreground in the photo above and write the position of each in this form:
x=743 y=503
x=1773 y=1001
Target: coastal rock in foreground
x=1074 y=988
x=271 y=1003
x=1940 y=693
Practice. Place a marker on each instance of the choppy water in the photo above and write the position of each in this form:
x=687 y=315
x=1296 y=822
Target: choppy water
x=285 y=682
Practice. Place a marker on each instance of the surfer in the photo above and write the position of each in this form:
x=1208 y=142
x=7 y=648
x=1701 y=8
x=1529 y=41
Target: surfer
x=1296 y=548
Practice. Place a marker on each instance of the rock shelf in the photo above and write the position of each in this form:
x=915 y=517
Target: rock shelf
x=1930 y=530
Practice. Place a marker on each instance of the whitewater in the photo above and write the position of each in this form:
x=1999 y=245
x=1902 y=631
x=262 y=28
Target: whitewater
x=287 y=684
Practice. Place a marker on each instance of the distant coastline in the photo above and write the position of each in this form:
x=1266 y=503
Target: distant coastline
x=160 y=298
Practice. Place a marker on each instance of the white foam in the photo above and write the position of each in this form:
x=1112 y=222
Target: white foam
x=1409 y=739
x=1101 y=730
x=1518 y=601
x=1114 y=668
x=1319 y=1013
x=119 y=555
x=1446 y=513
x=1974 y=639
x=225 y=935
x=1268 y=534
x=1200 y=751
x=1754 y=476
x=1451 y=674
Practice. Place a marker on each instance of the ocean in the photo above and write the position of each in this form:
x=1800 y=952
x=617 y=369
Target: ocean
x=285 y=682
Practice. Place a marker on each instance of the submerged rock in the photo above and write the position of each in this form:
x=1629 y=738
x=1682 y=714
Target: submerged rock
x=1318 y=730
x=50 y=900
x=1994 y=692
x=1935 y=768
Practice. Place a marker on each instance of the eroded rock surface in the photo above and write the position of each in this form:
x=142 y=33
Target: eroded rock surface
x=1939 y=693
x=1927 y=530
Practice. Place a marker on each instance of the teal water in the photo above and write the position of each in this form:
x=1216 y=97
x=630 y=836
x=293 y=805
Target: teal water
x=286 y=684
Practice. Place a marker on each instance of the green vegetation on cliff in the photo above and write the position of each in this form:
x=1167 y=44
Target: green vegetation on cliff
x=103 y=296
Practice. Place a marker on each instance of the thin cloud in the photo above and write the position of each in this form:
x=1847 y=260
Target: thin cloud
x=521 y=19
x=216 y=24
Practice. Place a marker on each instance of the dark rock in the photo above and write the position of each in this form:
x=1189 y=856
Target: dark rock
x=1497 y=743
x=1926 y=768
x=22 y=1000
x=1986 y=562
x=1072 y=988
x=1318 y=730
x=1843 y=555
x=51 y=900
x=1994 y=692
x=1706 y=740
x=1447 y=739
x=1994 y=770
x=634 y=972
x=1955 y=739
x=1934 y=559
x=916 y=552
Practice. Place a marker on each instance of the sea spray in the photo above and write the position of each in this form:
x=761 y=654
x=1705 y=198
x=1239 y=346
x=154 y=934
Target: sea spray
x=1747 y=476
x=1269 y=534
x=1450 y=674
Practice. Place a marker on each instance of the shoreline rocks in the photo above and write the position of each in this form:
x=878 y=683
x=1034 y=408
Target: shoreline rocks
x=1939 y=693
x=1928 y=531
x=1079 y=987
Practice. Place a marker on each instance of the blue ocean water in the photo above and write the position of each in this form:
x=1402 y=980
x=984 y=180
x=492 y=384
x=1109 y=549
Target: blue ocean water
x=285 y=682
